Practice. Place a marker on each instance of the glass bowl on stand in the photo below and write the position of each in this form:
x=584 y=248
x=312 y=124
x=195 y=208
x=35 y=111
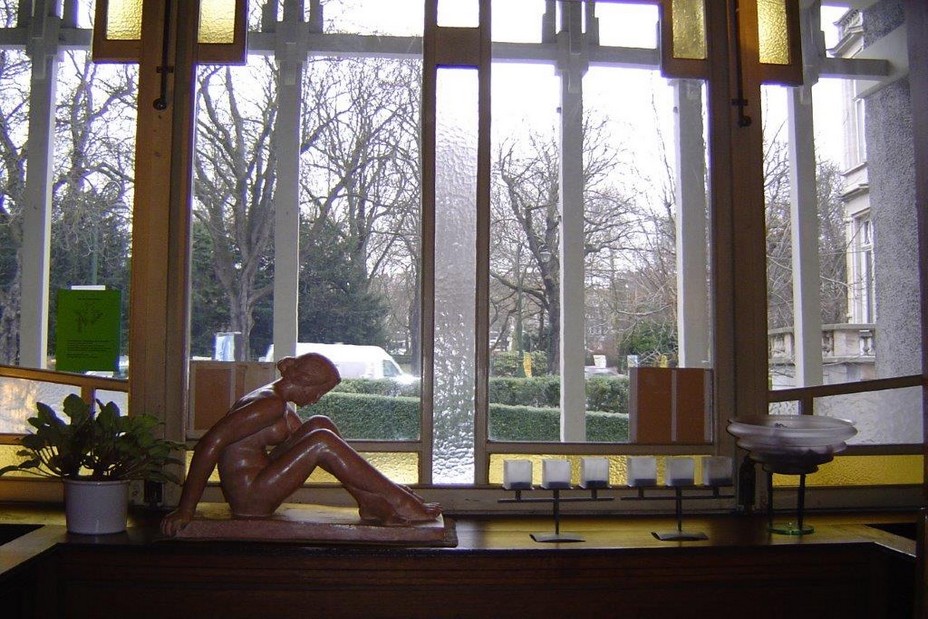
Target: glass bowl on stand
x=790 y=445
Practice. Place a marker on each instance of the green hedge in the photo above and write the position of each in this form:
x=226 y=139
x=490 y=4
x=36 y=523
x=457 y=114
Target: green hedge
x=378 y=386
x=603 y=393
x=376 y=417
x=526 y=423
x=607 y=393
x=373 y=417
x=539 y=392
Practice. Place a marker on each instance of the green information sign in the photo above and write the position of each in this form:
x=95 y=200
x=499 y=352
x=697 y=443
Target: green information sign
x=87 y=332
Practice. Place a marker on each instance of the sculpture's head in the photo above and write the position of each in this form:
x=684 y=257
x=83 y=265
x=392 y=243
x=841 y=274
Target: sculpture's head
x=311 y=370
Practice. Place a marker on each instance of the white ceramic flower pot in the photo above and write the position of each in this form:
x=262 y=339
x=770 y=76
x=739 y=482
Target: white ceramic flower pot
x=96 y=507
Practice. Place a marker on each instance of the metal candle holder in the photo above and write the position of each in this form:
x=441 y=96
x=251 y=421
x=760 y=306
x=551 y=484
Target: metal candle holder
x=556 y=499
x=679 y=535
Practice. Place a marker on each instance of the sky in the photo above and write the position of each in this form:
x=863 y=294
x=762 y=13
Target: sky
x=527 y=95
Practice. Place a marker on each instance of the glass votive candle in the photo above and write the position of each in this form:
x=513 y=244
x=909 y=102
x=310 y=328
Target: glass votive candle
x=680 y=471
x=555 y=474
x=594 y=473
x=716 y=471
x=517 y=474
x=642 y=471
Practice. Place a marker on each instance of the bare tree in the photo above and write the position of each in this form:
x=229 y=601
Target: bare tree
x=642 y=297
x=359 y=174
x=779 y=226
x=526 y=222
x=92 y=181
x=832 y=244
x=234 y=179
x=14 y=74
x=91 y=218
x=361 y=169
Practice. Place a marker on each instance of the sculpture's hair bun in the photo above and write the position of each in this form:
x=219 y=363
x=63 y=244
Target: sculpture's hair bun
x=315 y=368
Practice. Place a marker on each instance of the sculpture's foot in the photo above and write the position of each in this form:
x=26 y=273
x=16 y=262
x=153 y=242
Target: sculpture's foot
x=400 y=509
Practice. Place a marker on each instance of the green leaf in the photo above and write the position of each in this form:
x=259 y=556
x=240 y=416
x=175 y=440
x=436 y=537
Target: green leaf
x=76 y=409
x=105 y=445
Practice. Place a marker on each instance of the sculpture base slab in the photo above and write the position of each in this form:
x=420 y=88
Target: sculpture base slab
x=312 y=524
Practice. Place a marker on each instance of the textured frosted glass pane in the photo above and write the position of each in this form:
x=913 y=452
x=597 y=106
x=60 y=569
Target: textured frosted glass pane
x=783 y=408
x=455 y=205
x=18 y=398
x=689 y=29
x=217 y=21
x=773 y=36
x=124 y=20
x=458 y=13
x=396 y=18
x=881 y=417
x=862 y=471
x=119 y=397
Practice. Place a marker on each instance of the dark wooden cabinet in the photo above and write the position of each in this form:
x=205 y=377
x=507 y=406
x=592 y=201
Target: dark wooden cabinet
x=495 y=570
x=258 y=580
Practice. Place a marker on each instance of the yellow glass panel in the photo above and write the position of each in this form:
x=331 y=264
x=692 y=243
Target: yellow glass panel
x=862 y=471
x=124 y=20
x=689 y=29
x=773 y=32
x=8 y=457
x=400 y=467
x=217 y=21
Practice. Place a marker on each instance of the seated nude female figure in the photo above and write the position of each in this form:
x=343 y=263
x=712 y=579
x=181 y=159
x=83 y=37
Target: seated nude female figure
x=265 y=452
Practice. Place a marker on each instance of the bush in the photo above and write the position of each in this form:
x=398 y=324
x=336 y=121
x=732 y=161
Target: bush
x=533 y=424
x=607 y=393
x=510 y=364
x=602 y=427
x=377 y=386
x=524 y=423
x=521 y=409
x=603 y=393
x=365 y=416
x=541 y=391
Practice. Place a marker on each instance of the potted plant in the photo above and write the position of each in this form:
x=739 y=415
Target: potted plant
x=96 y=454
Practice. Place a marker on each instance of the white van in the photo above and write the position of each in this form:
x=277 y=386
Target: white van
x=354 y=361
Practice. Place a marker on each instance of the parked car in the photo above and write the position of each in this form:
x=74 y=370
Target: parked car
x=355 y=361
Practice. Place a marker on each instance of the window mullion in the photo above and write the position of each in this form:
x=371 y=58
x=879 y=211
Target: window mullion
x=807 y=302
x=482 y=309
x=36 y=257
x=571 y=68
x=737 y=222
x=291 y=60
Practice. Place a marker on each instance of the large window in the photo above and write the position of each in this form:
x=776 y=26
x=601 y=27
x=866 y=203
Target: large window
x=546 y=274
x=841 y=245
x=67 y=138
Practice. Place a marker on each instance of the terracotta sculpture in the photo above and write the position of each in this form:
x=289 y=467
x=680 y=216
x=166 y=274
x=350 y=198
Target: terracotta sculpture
x=265 y=452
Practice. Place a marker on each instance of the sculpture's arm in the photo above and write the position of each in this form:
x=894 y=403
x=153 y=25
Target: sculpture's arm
x=205 y=457
x=246 y=419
